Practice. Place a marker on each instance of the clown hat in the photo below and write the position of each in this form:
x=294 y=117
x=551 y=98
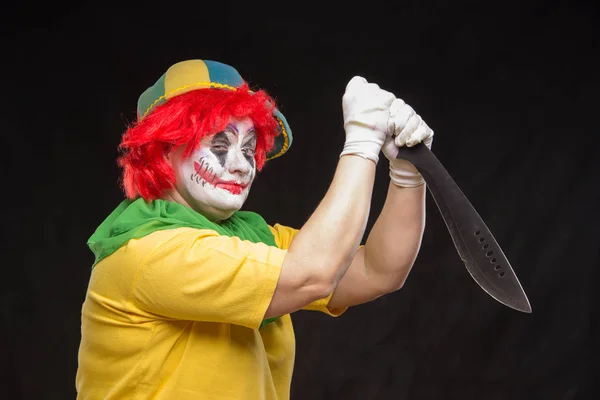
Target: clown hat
x=189 y=75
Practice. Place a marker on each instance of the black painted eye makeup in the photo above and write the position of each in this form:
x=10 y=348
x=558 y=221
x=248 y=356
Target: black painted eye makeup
x=249 y=151
x=220 y=143
x=220 y=138
x=219 y=146
x=250 y=140
x=249 y=146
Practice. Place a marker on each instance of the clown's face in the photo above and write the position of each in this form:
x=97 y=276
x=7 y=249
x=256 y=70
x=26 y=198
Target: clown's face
x=215 y=180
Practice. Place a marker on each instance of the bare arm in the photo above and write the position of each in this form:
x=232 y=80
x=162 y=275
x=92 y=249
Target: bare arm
x=323 y=249
x=311 y=270
x=383 y=264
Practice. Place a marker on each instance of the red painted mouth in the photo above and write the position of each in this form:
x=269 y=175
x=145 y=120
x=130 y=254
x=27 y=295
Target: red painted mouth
x=207 y=175
x=231 y=186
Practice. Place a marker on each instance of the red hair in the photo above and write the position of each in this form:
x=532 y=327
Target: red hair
x=183 y=121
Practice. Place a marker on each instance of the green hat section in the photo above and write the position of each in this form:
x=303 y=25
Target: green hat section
x=191 y=75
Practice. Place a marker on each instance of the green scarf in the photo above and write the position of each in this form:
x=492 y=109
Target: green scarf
x=134 y=219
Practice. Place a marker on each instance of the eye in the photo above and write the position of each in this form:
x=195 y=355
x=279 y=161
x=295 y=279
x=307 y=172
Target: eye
x=220 y=147
x=249 y=152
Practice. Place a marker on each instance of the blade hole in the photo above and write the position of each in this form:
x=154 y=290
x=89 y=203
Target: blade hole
x=477 y=233
x=489 y=253
x=497 y=267
x=501 y=274
x=493 y=260
x=485 y=246
x=481 y=239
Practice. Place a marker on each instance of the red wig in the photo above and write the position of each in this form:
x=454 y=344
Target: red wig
x=183 y=121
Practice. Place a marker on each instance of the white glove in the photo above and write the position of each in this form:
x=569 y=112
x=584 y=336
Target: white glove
x=406 y=128
x=366 y=110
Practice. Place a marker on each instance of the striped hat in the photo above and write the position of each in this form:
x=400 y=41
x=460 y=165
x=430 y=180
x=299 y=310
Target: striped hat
x=191 y=75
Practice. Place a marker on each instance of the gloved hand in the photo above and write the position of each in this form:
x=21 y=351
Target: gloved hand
x=366 y=109
x=406 y=128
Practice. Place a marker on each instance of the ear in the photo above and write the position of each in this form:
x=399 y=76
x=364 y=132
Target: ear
x=172 y=154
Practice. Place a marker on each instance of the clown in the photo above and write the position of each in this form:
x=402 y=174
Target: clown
x=189 y=296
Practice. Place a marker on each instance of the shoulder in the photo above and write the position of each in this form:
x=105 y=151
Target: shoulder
x=283 y=235
x=161 y=241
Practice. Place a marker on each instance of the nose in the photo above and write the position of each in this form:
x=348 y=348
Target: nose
x=238 y=163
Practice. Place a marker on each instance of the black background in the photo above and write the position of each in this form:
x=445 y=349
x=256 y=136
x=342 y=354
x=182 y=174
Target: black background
x=510 y=89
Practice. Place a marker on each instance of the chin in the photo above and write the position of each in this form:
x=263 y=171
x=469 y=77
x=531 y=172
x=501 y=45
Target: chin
x=216 y=213
x=220 y=207
x=227 y=205
x=220 y=217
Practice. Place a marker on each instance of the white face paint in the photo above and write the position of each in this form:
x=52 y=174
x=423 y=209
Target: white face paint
x=215 y=180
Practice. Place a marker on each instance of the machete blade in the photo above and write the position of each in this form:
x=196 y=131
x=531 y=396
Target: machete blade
x=478 y=249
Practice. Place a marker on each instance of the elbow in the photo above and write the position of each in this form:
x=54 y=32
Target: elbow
x=328 y=288
x=396 y=285
x=387 y=285
x=397 y=281
x=325 y=280
x=323 y=291
x=324 y=285
x=391 y=281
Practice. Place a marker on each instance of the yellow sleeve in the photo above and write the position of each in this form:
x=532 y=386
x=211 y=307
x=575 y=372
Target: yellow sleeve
x=192 y=274
x=283 y=238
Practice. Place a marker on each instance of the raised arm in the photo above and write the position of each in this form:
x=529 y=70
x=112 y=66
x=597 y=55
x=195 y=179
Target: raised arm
x=325 y=246
x=384 y=263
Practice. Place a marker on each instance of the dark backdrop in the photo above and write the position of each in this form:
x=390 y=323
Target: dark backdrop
x=511 y=90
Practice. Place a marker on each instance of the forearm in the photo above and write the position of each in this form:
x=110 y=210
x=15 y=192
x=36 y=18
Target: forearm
x=326 y=244
x=383 y=264
x=394 y=241
x=324 y=248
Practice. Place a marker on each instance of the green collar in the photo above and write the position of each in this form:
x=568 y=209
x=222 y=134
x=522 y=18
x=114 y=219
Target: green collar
x=134 y=219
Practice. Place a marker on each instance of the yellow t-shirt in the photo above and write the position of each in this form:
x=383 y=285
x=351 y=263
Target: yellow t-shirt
x=175 y=315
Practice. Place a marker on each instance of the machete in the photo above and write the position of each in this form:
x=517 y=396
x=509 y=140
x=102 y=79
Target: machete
x=476 y=246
